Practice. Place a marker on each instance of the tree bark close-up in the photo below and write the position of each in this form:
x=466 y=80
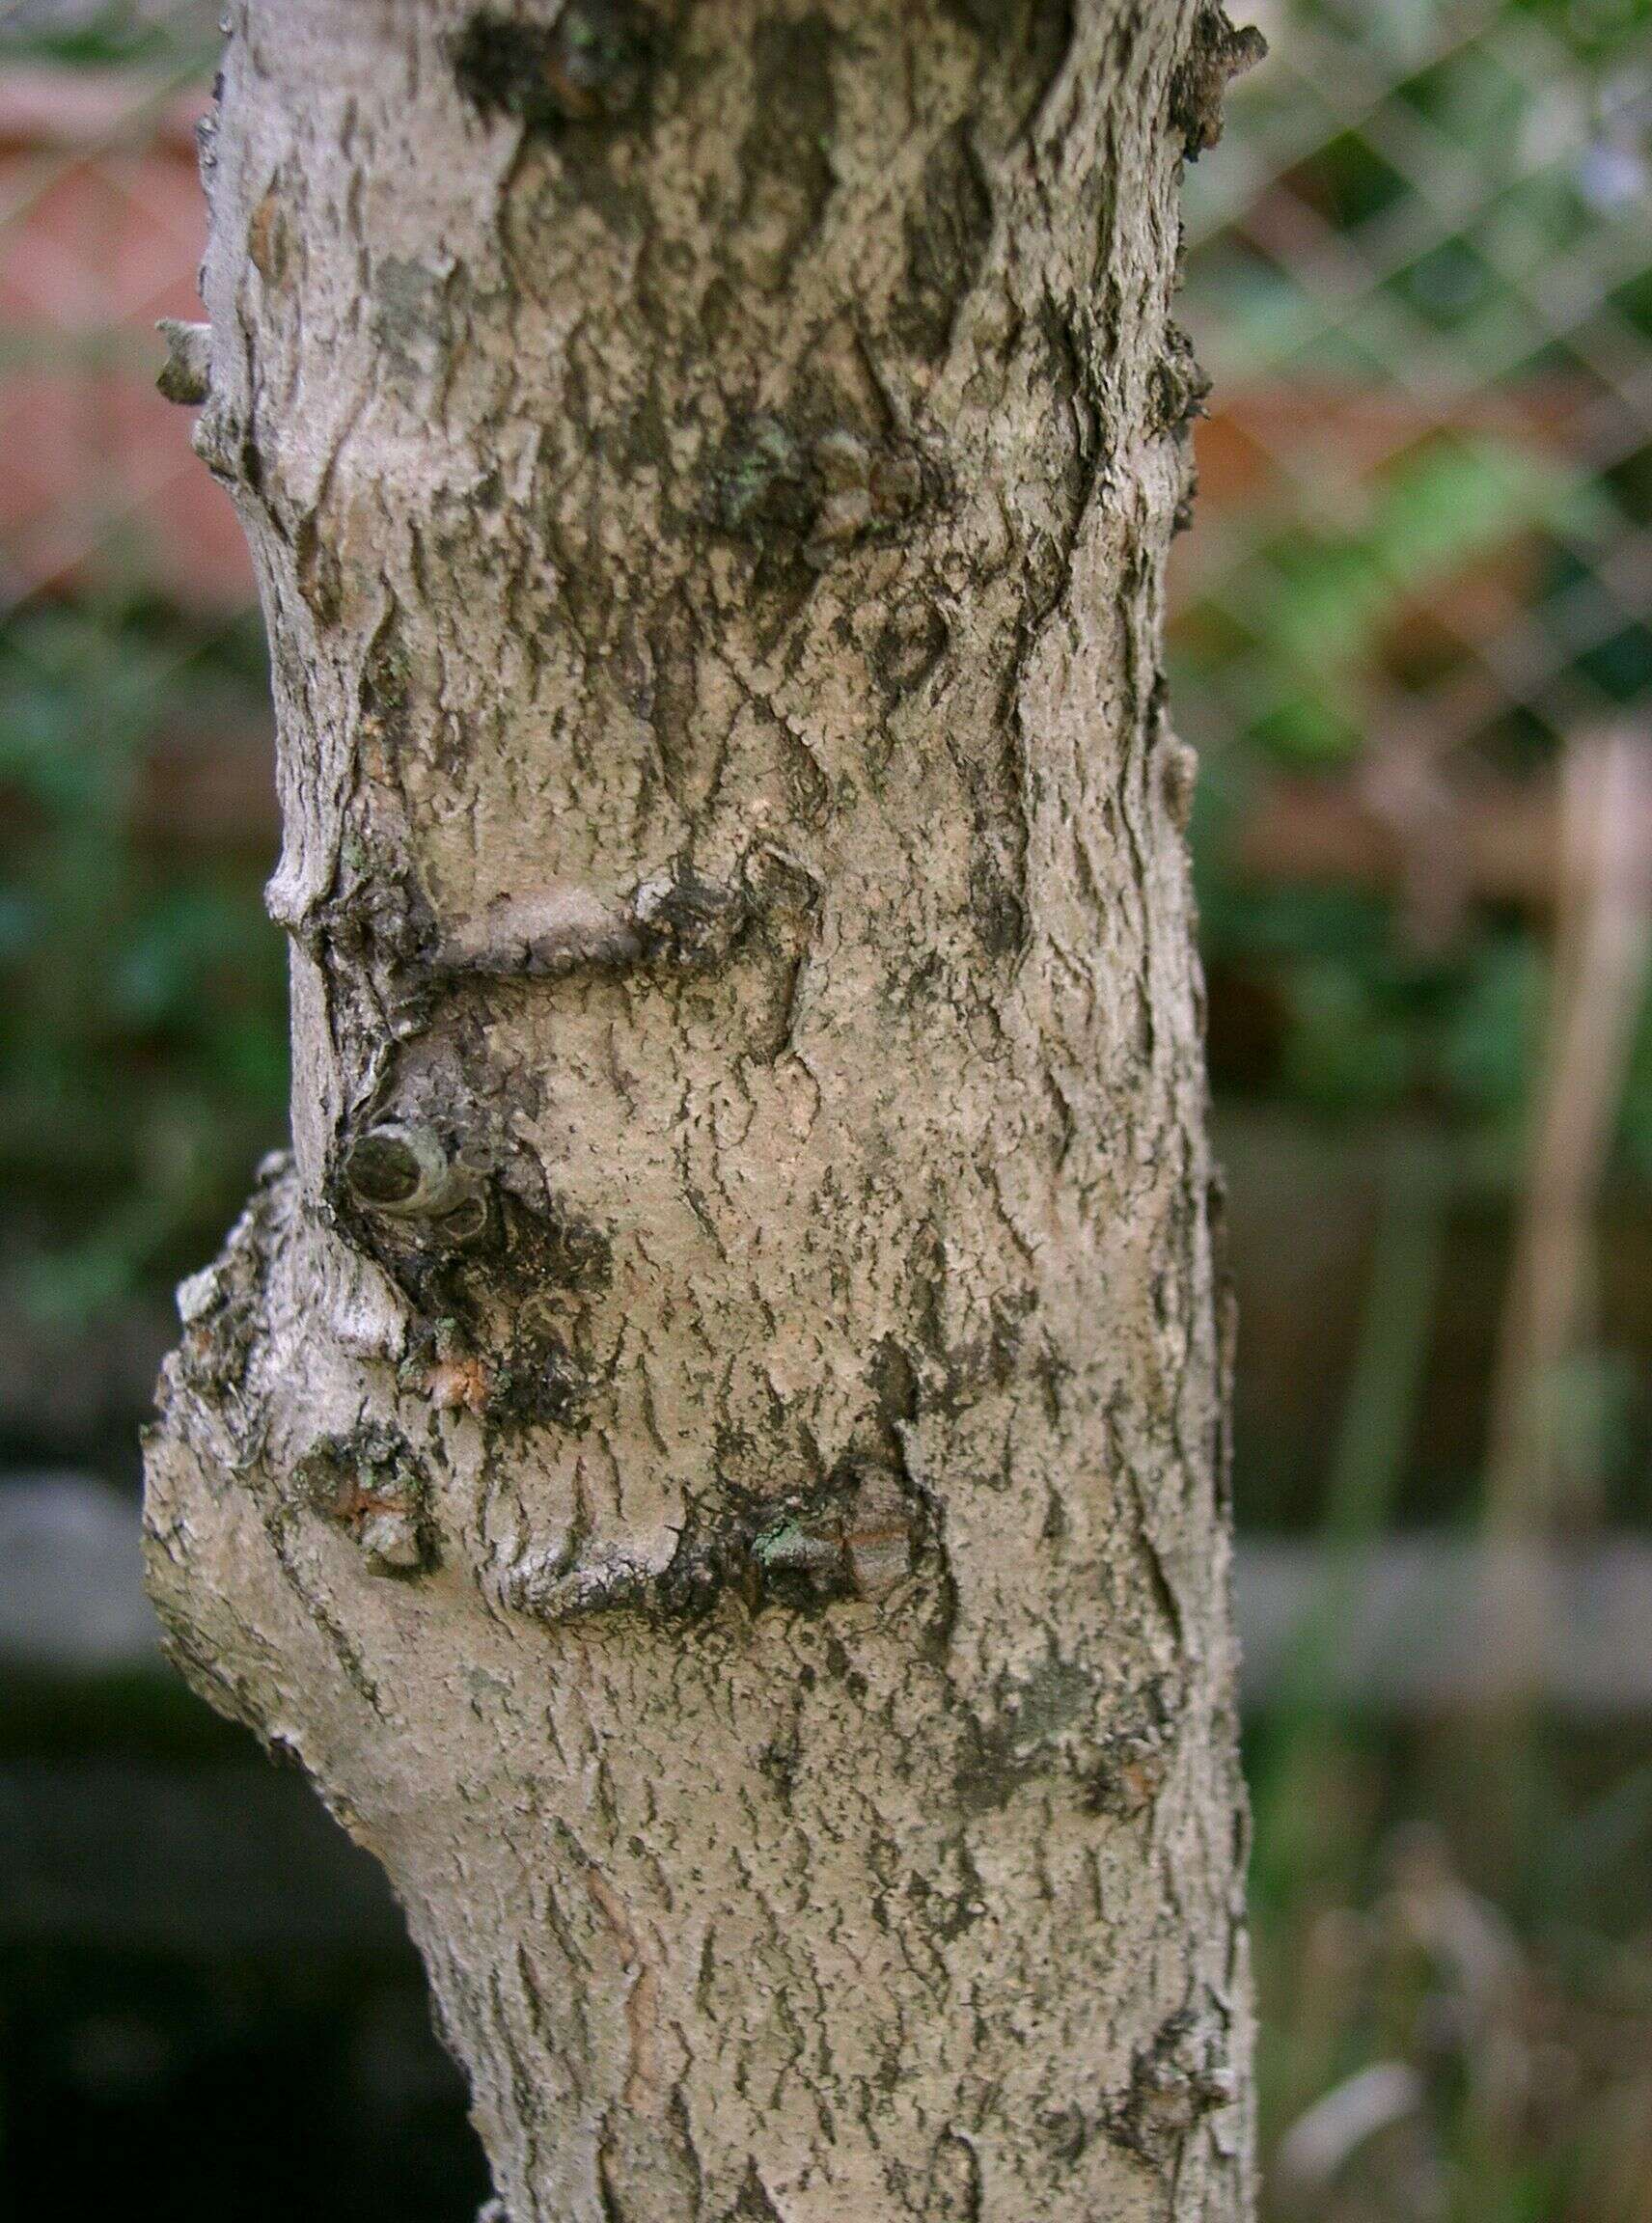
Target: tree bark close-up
x=711 y=1448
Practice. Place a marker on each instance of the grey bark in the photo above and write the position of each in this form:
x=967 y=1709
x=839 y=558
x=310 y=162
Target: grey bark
x=710 y=1449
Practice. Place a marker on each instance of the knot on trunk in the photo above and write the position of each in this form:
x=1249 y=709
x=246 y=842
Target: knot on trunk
x=369 y=1483
x=674 y=919
x=860 y=1534
x=1219 y=52
x=185 y=376
x=1180 y=2077
x=812 y=492
x=406 y=1171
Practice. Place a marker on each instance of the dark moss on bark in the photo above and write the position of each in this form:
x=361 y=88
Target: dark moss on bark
x=947 y=232
x=591 y=66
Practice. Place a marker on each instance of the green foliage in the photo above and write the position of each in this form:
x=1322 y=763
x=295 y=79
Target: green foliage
x=1343 y=598
x=1638 y=1098
x=1364 y=1022
x=1494 y=1951
x=1364 y=1019
x=142 y=1058
x=1400 y=30
x=1314 y=603
x=1519 y=136
x=115 y=35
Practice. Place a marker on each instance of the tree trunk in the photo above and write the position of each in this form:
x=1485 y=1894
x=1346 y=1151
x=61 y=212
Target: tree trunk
x=710 y=1448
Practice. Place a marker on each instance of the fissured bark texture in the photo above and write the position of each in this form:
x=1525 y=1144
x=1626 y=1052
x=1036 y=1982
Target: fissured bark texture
x=711 y=1448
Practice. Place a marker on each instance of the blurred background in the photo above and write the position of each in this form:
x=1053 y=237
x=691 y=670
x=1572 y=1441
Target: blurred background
x=1412 y=643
